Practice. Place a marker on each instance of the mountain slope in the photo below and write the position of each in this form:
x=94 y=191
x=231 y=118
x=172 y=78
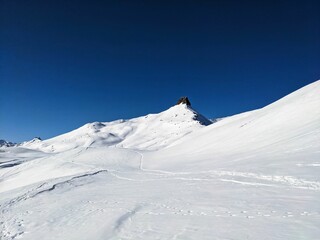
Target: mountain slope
x=4 y=143
x=168 y=176
x=286 y=128
x=151 y=132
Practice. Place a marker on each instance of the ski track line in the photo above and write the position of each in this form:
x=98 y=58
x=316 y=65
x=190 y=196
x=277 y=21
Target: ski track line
x=287 y=180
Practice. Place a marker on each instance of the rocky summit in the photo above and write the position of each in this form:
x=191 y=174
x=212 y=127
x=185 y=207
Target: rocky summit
x=184 y=100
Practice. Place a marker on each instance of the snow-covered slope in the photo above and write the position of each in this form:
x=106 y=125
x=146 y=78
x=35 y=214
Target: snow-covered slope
x=150 y=132
x=286 y=128
x=171 y=175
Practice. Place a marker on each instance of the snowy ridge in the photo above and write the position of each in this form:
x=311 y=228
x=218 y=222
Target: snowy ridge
x=4 y=143
x=287 y=127
x=150 y=132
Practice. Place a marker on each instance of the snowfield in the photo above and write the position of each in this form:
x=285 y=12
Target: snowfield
x=171 y=175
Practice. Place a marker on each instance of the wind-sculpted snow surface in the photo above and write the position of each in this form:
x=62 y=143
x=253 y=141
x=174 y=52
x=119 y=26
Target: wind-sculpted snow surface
x=252 y=176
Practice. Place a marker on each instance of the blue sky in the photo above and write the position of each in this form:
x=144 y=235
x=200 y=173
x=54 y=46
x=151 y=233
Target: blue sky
x=66 y=63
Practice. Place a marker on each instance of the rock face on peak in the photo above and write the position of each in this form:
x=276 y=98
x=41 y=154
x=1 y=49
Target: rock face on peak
x=184 y=100
x=198 y=117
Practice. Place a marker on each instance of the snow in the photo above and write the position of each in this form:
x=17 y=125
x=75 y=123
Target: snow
x=150 y=132
x=171 y=175
x=4 y=143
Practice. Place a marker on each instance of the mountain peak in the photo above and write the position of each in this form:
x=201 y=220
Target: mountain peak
x=150 y=132
x=184 y=100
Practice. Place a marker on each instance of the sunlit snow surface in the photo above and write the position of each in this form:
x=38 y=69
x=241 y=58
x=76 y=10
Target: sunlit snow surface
x=254 y=175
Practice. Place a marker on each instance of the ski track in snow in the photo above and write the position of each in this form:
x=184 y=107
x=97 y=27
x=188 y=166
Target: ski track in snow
x=286 y=180
x=16 y=230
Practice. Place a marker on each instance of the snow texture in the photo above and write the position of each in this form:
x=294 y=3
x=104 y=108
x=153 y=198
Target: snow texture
x=172 y=175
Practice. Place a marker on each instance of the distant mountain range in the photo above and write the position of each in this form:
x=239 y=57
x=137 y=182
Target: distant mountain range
x=4 y=143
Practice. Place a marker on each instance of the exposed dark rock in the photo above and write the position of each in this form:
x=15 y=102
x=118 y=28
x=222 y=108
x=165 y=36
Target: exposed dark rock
x=6 y=143
x=35 y=139
x=184 y=100
x=202 y=119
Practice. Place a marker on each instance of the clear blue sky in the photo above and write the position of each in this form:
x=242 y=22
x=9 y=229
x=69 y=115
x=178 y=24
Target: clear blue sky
x=65 y=63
